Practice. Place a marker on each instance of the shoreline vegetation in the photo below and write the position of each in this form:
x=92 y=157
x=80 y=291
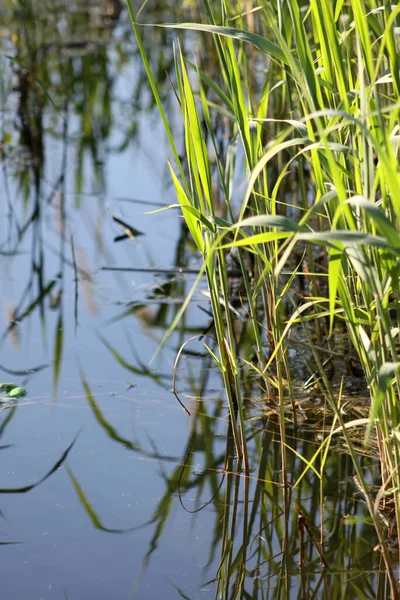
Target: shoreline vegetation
x=290 y=173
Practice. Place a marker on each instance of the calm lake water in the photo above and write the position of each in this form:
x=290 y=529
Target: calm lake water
x=81 y=144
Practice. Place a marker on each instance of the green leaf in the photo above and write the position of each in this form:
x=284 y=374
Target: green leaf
x=199 y=216
x=258 y=238
x=335 y=261
x=385 y=227
x=256 y=40
x=338 y=8
x=224 y=98
x=385 y=376
x=346 y=238
x=260 y=166
x=196 y=148
x=278 y=221
x=192 y=223
x=17 y=392
x=7 y=387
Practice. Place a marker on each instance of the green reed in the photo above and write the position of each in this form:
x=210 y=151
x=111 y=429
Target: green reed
x=311 y=88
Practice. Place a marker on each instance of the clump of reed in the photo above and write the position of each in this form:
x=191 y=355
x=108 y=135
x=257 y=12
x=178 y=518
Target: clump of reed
x=308 y=94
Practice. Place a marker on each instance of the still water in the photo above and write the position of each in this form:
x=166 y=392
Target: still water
x=147 y=503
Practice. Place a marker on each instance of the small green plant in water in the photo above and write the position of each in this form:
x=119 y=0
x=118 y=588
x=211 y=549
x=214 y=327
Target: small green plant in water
x=11 y=391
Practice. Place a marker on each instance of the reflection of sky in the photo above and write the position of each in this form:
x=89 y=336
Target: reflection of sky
x=60 y=545
x=61 y=554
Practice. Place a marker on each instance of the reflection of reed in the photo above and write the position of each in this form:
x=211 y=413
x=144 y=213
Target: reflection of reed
x=257 y=533
x=64 y=82
x=29 y=487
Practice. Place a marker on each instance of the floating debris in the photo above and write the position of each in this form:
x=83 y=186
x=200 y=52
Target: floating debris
x=12 y=391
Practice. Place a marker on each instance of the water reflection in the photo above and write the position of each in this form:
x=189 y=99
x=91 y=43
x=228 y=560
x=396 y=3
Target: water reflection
x=151 y=502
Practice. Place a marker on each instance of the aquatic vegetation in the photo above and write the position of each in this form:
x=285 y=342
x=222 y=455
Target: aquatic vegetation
x=12 y=390
x=295 y=131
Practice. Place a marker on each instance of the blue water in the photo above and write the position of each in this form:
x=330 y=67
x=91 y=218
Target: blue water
x=59 y=549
